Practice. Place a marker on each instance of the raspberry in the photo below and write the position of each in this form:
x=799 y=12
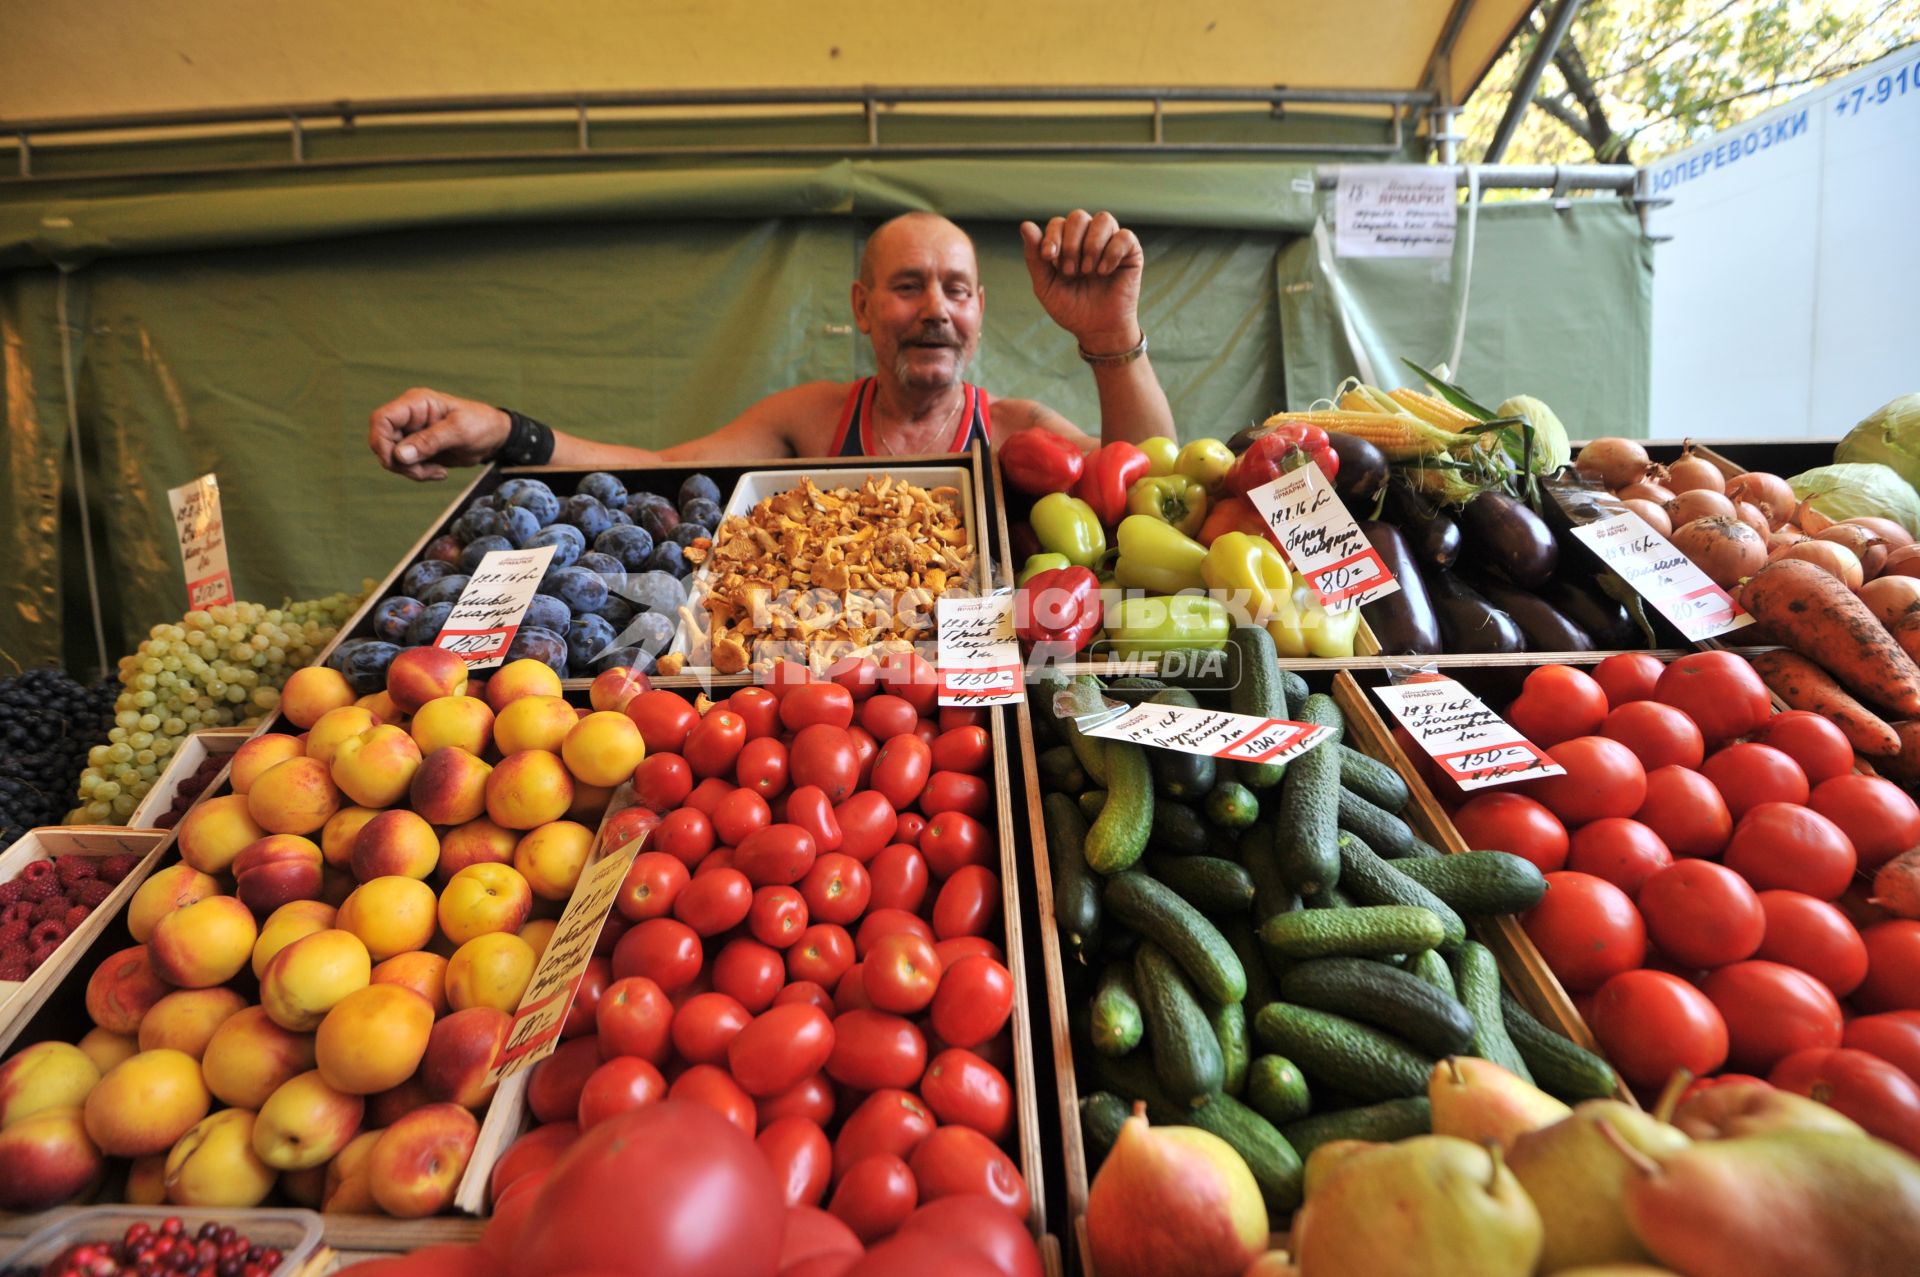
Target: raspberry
x=49 y=910
x=19 y=911
x=11 y=891
x=36 y=870
x=12 y=934
x=13 y=966
x=48 y=933
x=74 y=916
x=114 y=868
x=72 y=869
x=90 y=892
x=40 y=886
x=36 y=957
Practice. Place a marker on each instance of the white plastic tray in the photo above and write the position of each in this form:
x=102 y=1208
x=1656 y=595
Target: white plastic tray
x=294 y=1233
x=185 y=761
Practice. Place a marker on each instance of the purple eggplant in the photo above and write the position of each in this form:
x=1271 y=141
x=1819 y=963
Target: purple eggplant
x=1503 y=535
x=1403 y=622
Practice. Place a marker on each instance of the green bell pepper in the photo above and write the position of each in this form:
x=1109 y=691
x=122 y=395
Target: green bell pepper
x=1205 y=461
x=1156 y=556
x=1165 y=623
x=1173 y=499
x=1161 y=453
x=1249 y=574
x=1038 y=563
x=1067 y=525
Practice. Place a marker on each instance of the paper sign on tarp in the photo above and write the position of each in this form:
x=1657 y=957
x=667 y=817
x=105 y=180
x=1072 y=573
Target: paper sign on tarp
x=1248 y=738
x=1321 y=539
x=1394 y=210
x=535 y=1030
x=481 y=626
x=203 y=542
x=1474 y=745
x=979 y=656
x=1663 y=576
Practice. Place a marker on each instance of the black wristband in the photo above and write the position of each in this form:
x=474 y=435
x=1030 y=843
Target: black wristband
x=528 y=442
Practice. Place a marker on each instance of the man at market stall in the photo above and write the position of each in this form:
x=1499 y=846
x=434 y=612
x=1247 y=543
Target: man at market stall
x=920 y=302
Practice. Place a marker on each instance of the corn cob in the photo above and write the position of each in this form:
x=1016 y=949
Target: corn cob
x=1432 y=409
x=1401 y=437
x=1364 y=398
x=1443 y=483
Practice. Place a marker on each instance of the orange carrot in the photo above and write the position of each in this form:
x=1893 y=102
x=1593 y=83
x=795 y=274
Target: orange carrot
x=1804 y=685
x=1815 y=614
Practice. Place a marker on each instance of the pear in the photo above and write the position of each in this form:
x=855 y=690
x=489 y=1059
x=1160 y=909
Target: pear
x=1615 y=1270
x=1173 y=1199
x=1783 y=1204
x=1329 y=1157
x=1577 y=1176
x=1478 y=1100
x=1733 y=1109
x=1430 y=1206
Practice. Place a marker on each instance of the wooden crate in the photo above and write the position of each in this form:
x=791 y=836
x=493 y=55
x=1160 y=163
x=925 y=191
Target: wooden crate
x=185 y=761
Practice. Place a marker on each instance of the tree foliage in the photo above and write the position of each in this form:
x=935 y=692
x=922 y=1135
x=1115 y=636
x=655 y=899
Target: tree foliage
x=1638 y=79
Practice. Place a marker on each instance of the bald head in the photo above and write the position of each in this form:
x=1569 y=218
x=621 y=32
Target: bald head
x=909 y=229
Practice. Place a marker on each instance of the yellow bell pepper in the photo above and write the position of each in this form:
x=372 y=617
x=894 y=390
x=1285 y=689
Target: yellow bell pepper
x=1304 y=627
x=1038 y=563
x=1157 y=557
x=1205 y=461
x=1248 y=574
x=1161 y=452
x=1178 y=500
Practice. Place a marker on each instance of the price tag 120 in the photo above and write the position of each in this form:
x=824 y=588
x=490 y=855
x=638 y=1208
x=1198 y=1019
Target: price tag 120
x=1321 y=539
x=1474 y=745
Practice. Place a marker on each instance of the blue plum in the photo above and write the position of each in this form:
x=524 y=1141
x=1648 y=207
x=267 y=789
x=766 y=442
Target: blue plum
x=445 y=590
x=548 y=613
x=650 y=630
x=536 y=497
x=629 y=657
x=604 y=488
x=618 y=612
x=392 y=617
x=667 y=558
x=620 y=518
x=606 y=567
x=701 y=510
x=427 y=625
x=479 y=548
x=587 y=638
x=578 y=588
x=630 y=545
x=657 y=592
x=487 y=502
x=566 y=541
x=687 y=533
x=364 y=662
x=659 y=519
x=519 y=525
x=587 y=514
x=415 y=580
x=699 y=488
x=541 y=645
x=640 y=502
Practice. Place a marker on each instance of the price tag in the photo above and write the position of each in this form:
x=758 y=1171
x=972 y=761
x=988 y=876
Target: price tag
x=1321 y=539
x=203 y=541
x=1474 y=745
x=535 y=1030
x=979 y=656
x=1214 y=733
x=1663 y=576
x=482 y=624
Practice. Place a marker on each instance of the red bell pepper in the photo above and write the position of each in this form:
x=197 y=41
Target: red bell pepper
x=1109 y=474
x=1062 y=607
x=1287 y=446
x=1037 y=461
x=1234 y=514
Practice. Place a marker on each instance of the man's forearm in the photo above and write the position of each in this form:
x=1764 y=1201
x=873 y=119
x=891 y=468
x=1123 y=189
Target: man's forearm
x=571 y=450
x=1133 y=407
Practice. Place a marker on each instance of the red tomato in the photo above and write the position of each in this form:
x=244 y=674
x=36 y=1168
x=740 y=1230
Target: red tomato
x=1875 y=815
x=715 y=902
x=812 y=1099
x=1821 y=749
x=851 y=993
x=759 y=709
x=635 y=1019
x=652 y=882
x=707 y=1085
x=808 y=808
x=1556 y=703
x=1894 y=1036
x=865 y=750
x=964 y=1090
x=686 y=835
x=662 y=782
x=822 y=954
x=901 y=769
x=884 y=922
x=1514 y=823
x=1701 y=914
x=664 y=718
x=966 y=1223
x=887 y=716
x=750 y=973
x=836 y=889
x=714 y=744
x=778 y=916
x=1659 y=735
x=781 y=1048
x=1893 y=967
x=778 y=855
x=609 y=938
x=583 y=1012
x=1624 y=852
x=625 y=826
x=901 y=973
x=740 y=813
x=899 y=877
x=621 y=1085
x=1687 y=812
x=968 y=903
x=889 y=1121
x=962 y=749
x=1815 y=937
x=1650 y=1023
x=707 y=795
x=867 y=823
x=1630 y=676
x=912 y=825
x=872 y=1049
x=534 y=1151
x=956 y=791
x=957 y=947
x=1874 y=1093
x=858 y=674
x=952 y=716
x=801 y=1158
x=706 y=1025
x=1586 y=929
x=823 y=755
x=762 y=766
x=1603 y=778
x=553 y=1090
x=874 y=1197
x=1793 y=848
x=1748 y=774
x=906 y=675
x=784 y=676
x=827 y=703
x=663 y=950
x=954 y=839
x=1771 y=1011
x=958 y=1159
x=973 y=1001
x=808 y=992
x=926 y=731
x=1719 y=691
x=717 y=859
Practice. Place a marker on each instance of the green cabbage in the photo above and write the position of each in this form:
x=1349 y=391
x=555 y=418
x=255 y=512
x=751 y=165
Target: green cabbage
x=1850 y=489
x=1551 y=448
x=1890 y=437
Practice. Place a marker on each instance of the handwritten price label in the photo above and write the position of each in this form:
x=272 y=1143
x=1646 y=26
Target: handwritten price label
x=482 y=624
x=1213 y=733
x=203 y=541
x=1663 y=576
x=1321 y=539
x=979 y=656
x=1474 y=745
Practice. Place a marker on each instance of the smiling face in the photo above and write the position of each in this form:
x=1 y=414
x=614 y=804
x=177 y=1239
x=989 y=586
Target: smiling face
x=919 y=300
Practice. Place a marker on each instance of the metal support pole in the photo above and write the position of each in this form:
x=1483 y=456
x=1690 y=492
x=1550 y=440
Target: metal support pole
x=1559 y=20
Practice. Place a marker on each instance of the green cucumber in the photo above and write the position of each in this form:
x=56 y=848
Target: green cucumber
x=1385 y=832
x=1161 y=916
x=1277 y=1090
x=1477 y=975
x=1208 y=883
x=1310 y=806
x=1428 y=965
x=1134 y=688
x=1176 y=773
x=1238 y=929
x=1232 y=805
x=1561 y=1068
x=1373 y=780
x=1479 y=882
x=1369 y=880
x=1343 y=1054
x=1101 y=1116
x=1272 y=895
x=1178 y=830
x=1378 y=1123
x=1331 y=898
x=1384 y=997
x=1365 y=931
x=1236 y=1050
x=1117 y=1024
x=1061 y=772
x=1091 y=803
x=1186 y=1054
x=1254 y=666
x=1076 y=889
x=1295 y=689
x=1119 y=835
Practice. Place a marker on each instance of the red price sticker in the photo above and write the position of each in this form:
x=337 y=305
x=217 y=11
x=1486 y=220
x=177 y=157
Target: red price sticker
x=1213 y=733
x=1471 y=743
